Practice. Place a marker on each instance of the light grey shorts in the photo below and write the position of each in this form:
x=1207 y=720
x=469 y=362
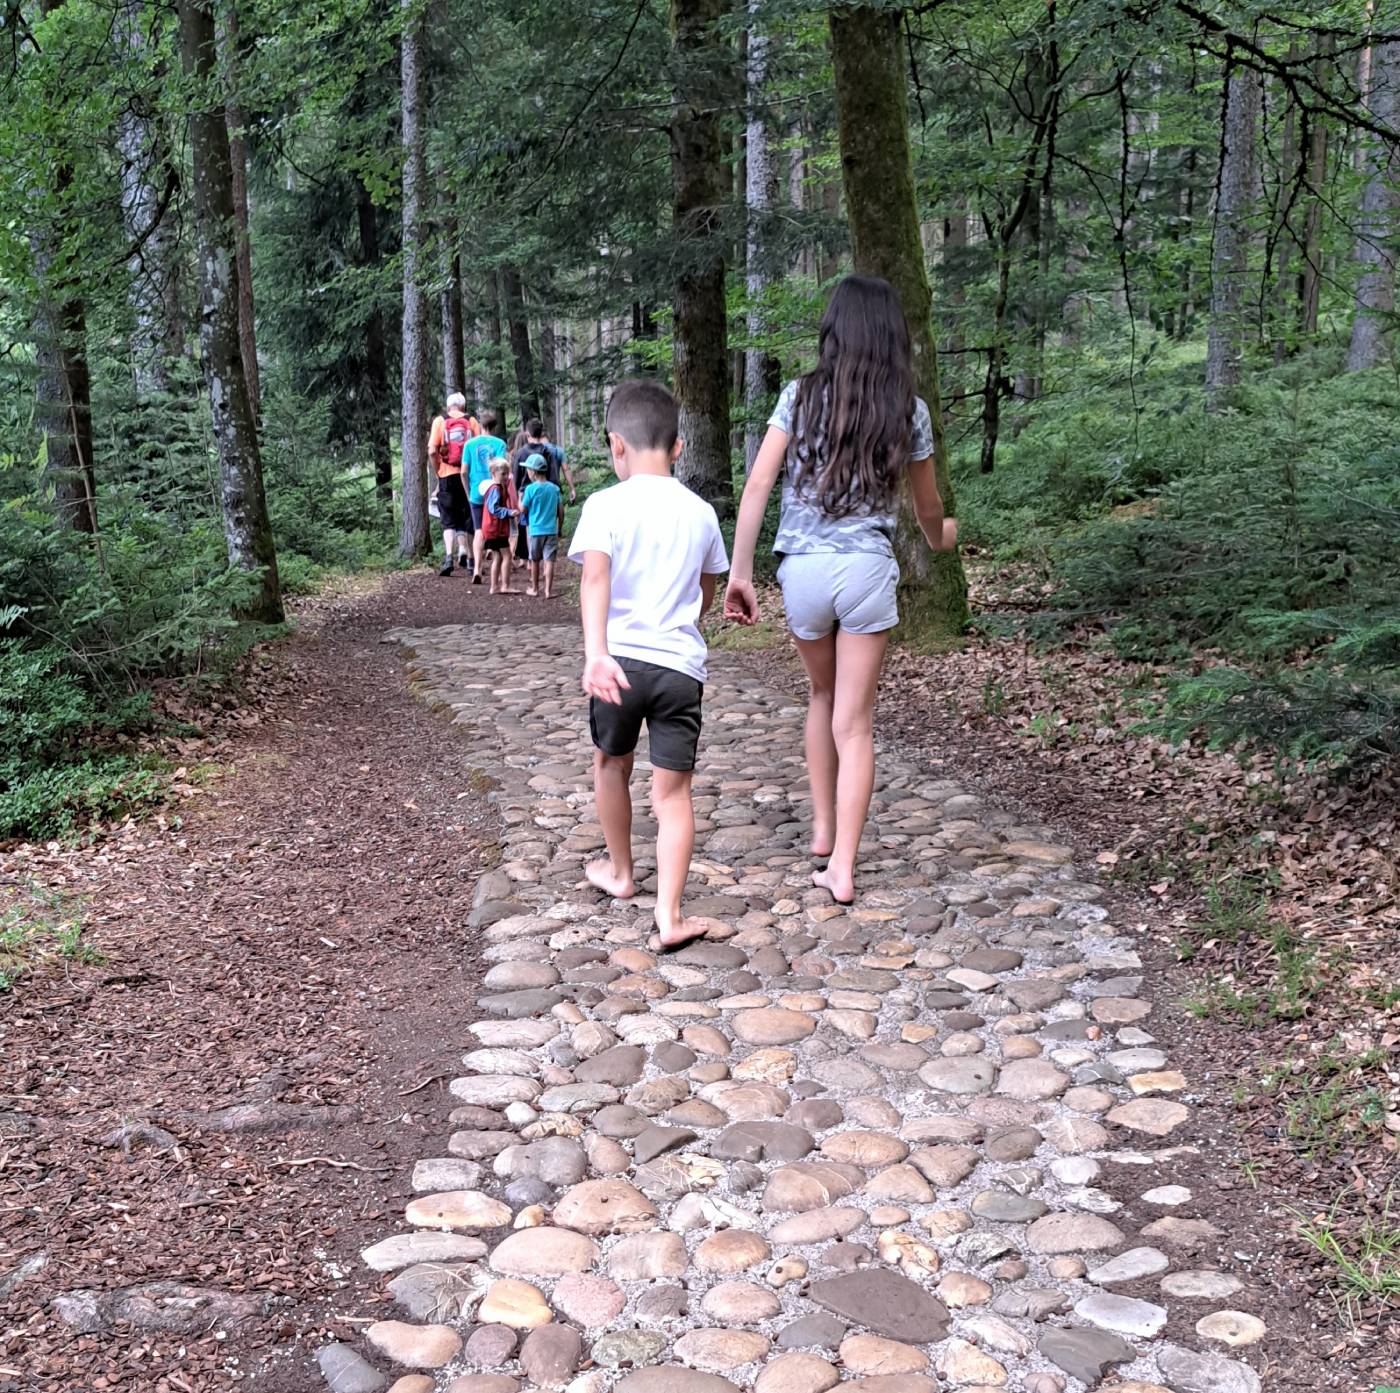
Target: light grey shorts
x=850 y=590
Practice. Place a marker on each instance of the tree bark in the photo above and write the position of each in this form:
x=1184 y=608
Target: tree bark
x=549 y=367
x=454 y=358
x=64 y=394
x=699 y=187
x=413 y=527
x=148 y=182
x=1234 y=203
x=497 y=383
x=1375 y=291
x=517 y=317
x=761 y=369
x=237 y=119
x=872 y=120
x=1310 y=276
x=247 y=530
x=376 y=358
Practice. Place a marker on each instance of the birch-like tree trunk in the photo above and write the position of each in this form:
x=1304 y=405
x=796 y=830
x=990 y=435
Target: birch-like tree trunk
x=237 y=120
x=247 y=530
x=760 y=192
x=872 y=120
x=1234 y=205
x=699 y=188
x=413 y=528
x=1375 y=291
x=148 y=183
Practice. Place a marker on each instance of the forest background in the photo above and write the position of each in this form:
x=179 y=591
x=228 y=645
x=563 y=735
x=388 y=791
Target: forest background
x=1147 y=251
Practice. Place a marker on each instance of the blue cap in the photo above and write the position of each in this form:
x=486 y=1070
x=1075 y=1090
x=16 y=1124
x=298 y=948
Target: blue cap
x=536 y=462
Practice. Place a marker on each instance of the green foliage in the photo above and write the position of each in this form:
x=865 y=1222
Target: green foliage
x=35 y=923
x=1364 y=1252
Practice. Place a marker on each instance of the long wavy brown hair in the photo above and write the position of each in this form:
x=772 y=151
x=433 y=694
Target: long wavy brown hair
x=854 y=413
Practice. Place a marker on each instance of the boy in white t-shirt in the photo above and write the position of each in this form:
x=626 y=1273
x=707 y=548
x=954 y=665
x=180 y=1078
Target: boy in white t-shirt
x=651 y=553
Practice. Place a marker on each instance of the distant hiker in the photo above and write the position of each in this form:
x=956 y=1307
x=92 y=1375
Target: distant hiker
x=651 y=553
x=536 y=442
x=477 y=467
x=539 y=513
x=447 y=442
x=499 y=507
x=844 y=438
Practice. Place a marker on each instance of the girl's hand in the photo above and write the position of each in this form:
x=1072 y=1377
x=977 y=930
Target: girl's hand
x=741 y=602
x=604 y=678
x=950 y=535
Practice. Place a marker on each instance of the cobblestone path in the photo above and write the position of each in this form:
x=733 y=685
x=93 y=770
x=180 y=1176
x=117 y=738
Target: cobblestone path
x=870 y=1148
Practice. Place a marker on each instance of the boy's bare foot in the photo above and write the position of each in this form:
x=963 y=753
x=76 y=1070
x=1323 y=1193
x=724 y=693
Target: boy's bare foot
x=532 y=592
x=841 y=888
x=673 y=933
x=602 y=876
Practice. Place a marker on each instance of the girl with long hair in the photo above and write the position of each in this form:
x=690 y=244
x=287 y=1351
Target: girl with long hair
x=844 y=438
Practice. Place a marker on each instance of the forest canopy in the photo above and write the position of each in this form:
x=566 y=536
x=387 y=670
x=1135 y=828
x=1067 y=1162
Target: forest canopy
x=1147 y=250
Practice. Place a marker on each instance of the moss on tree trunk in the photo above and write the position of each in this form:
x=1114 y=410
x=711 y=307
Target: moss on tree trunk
x=872 y=117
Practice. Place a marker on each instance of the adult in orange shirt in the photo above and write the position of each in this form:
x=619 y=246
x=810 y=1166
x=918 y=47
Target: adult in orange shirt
x=446 y=442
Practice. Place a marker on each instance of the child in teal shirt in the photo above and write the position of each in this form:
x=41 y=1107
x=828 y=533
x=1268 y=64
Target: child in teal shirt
x=540 y=505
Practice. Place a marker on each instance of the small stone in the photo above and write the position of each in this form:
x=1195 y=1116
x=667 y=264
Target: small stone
x=672 y=1378
x=458 y=1209
x=719 y=1350
x=605 y=1206
x=972 y=1075
x=885 y=1302
x=772 y=1025
x=1121 y=1313
x=1031 y=1080
x=346 y=1370
x=868 y=1149
x=961 y=1289
x=962 y=1363
x=819 y=1225
x=550 y=1355
x=1190 y=1235
x=1203 y=1286
x=418 y=1346
x=590 y=1300
x=543 y=1252
x=731 y=1250
x=742 y=1303
x=1085 y=1354
x=945 y=1166
x=1072 y=1233
x=797 y=1373
x=820 y=1331
x=516 y=1304
x=1154 y=1116
x=786 y=1270
x=405 y=1249
x=1129 y=1266
x=412 y=1383
x=1233 y=1328
x=1119 y=1010
x=872 y=1354
x=1158 y=1081
x=1189 y=1372
x=647 y=1256
x=1169 y=1196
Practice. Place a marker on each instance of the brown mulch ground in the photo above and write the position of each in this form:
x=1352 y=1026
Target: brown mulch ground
x=293 y=938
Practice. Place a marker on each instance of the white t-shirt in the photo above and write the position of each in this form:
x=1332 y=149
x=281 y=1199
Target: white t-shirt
x=660 y=539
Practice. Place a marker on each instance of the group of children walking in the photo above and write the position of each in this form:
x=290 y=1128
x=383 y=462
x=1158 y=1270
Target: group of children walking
x=846 y=438
x=484 y=493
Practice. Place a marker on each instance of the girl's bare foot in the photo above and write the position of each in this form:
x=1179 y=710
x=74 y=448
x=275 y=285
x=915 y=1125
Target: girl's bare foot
x=822 y=843
x=602 y=877
x=532 y=592
x=841 y=888
x=673 y=931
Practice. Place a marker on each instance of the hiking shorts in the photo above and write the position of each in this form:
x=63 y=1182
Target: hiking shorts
x=667 y=700
x=544 y=546
x=826 y=590
x=476 y=516
x=452 y=504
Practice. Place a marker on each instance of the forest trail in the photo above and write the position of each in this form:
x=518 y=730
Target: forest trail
x=936 y=1140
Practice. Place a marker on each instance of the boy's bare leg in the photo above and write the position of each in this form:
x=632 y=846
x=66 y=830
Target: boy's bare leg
x=478 y=550
x=534 y=578
x=675 y=840
x=548 y=580
x=612 y=796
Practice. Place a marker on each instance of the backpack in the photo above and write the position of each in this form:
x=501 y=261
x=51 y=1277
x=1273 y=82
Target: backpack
x=456 y=431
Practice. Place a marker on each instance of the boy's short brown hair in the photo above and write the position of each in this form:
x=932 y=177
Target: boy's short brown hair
x=644 y=413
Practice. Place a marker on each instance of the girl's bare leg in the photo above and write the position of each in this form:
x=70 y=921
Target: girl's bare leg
x=858 y=661
x=819 y=658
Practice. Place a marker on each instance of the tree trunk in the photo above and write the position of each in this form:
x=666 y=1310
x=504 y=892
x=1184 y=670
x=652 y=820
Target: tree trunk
x=1375 y=291
x=148 y=181
x=498 y=350
x=237 y=120
x=64 y=394
x=1283 y=229
x=376 y=358
x=247 y=530
x=1230 y=246
x=454 y=358
x=699 y=187
x=761 y=369
x=872 y=119
x=1310 y=276
x=413 y=528
x=513 y=292
x=549 y=367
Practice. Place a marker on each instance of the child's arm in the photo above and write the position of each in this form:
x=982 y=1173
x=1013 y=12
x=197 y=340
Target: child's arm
x=708 y=584
x=940 y=531
x=602 y=677
x=740 y=600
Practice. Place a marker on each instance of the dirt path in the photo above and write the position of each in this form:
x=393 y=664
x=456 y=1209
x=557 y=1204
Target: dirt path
x=298 y=943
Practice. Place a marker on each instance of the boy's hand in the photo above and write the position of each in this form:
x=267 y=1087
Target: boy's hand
x=950 y=535
x=604 y=679
x=741 y=602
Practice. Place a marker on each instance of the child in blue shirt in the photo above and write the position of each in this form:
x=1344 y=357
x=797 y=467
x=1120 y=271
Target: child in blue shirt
x=540 y=506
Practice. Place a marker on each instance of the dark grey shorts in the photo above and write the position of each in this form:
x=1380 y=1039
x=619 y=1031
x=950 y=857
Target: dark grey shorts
x=667 y=700
x=544 y=546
